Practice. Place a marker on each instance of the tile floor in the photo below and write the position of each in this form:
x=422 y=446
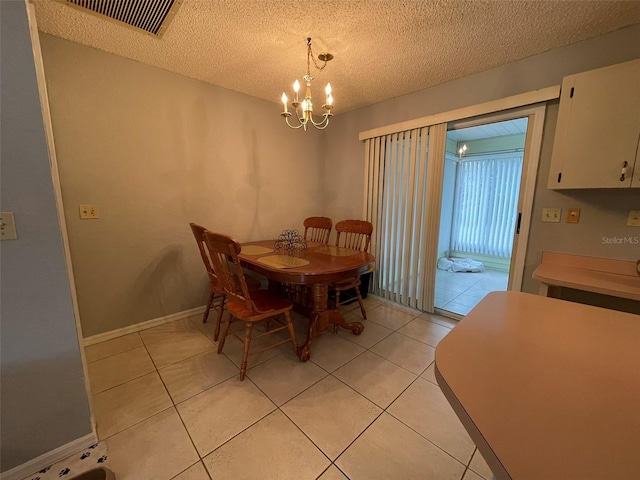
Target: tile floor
x=459 y=292
x=364 y=407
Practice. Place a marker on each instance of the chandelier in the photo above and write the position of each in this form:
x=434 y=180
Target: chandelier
x=304 y=109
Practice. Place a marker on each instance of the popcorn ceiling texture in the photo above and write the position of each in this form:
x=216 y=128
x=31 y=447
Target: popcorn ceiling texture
x=383 y=49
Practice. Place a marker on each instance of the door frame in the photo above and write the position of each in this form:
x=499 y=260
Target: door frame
x=533 y=141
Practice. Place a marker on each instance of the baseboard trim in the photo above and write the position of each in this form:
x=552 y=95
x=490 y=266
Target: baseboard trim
x=154 y=322
x=49 y=458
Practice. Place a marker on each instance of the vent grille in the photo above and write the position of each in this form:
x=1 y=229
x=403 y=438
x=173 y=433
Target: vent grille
x=151 y=16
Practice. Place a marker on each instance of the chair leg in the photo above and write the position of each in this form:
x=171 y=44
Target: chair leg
x=335 y=325
x=245 y=352
x=364 y=312
x=209 y=305
x=225 y=332
x=216 y=332
x=292 y=332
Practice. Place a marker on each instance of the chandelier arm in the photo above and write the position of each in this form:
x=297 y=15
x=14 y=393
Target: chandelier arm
x=295 y=127
x=322 y=124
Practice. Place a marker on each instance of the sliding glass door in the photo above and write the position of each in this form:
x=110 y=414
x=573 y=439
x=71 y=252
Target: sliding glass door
x=430 y=201
x=479 y=211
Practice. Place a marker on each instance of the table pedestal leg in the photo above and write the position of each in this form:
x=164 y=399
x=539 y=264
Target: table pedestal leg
x=321 y=318
x=336 y=318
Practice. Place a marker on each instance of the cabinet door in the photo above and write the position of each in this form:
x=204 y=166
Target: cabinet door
x=598 y=128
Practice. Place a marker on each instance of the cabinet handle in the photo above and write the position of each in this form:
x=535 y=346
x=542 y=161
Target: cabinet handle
x=623 y=173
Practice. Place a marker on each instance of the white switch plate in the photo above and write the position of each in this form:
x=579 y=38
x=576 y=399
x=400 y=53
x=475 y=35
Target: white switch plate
x=633 y=220
x=8 y=226
x=551 y=215
x=89 y=211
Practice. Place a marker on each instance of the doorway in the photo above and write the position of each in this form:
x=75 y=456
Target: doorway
x=478 y=212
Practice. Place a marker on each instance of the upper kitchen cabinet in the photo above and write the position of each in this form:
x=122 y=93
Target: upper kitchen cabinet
x=598 y=132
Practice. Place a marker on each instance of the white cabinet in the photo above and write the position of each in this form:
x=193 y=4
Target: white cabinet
x=598 y=130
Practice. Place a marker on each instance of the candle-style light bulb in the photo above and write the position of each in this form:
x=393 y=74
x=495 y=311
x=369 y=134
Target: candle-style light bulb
x=296 y=87
x=284 y=101
x=327 y=90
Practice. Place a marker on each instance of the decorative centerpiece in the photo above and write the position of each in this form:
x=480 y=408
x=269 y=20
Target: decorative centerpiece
x=291 y=243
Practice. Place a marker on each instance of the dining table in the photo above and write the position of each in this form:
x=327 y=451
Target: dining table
x=310 y=270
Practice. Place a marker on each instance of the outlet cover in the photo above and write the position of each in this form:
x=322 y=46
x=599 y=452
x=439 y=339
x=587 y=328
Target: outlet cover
x=633 y=220
x=573 y=215
x=89 y=211
x=551 y=215
x=7 y=226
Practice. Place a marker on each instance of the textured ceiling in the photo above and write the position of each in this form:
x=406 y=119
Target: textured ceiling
x=383 y=48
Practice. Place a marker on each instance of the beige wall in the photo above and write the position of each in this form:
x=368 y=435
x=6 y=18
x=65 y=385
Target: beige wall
x=603 y=211
x=155 y=150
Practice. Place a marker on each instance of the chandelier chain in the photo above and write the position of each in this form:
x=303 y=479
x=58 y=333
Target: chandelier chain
x=310 y=56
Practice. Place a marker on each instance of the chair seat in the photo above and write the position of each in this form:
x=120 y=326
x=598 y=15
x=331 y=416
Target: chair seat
x=268 y=303
x=346 y=284
x=253 y=284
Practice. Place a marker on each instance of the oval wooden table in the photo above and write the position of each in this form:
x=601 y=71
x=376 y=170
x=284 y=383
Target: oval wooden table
x=327 y=264
x=547 y=389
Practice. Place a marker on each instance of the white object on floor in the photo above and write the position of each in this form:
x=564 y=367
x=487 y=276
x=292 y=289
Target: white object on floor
x=83 y=461
x=460 y=265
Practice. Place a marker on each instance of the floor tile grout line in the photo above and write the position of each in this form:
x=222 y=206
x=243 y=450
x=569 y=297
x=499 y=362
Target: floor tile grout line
x=136 y=423
x=427 y=439
x=123 y=383
x=157 y=413
x=117 y=353
x=186 y=319
x=398 y=365
x=190 y=466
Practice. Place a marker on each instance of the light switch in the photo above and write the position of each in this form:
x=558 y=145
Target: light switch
x=8 y=226
x=633 y=220
x=551 y=215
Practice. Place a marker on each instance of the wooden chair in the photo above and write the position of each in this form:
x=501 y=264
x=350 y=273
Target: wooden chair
x=242 y=305
x=317 y=229
x=354 y=234
x=215 y=289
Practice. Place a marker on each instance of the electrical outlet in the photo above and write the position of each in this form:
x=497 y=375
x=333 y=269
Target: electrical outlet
x=573 y=215
x=633 y=220
x=7 y=226
x=89 y=211
x=551 y=215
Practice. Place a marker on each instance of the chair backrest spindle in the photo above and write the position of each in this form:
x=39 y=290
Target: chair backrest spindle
x=354 y=234
x=224 y=252
x=317 y=229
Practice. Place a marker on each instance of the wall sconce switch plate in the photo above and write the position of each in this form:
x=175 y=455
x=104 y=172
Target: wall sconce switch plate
x=573 y=215
x=633 y=220
x=89 y=211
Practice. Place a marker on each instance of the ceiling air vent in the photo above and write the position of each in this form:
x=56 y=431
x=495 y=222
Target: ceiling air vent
x=151 y=16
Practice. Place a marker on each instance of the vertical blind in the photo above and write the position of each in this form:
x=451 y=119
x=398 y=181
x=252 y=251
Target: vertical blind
x=485 y=204
x=395 y=203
